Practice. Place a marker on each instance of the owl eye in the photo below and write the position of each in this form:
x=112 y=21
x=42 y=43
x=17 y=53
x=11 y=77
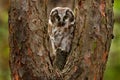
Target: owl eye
x=70 y=14
x=57 y=17
x=65 y=17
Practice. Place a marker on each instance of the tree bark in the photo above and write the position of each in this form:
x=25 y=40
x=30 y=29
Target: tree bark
x=30 y=55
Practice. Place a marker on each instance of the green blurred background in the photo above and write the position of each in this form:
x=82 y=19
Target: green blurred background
x=113 y=65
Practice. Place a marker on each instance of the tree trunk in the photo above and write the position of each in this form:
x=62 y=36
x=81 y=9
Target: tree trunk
x=30 y=56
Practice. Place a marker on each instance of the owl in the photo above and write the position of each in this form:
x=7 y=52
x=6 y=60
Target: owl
x=61 y=26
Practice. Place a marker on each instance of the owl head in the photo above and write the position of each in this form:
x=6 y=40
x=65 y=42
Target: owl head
x=60 y=16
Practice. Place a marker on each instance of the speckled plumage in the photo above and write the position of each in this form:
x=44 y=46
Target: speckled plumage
x=61 y=28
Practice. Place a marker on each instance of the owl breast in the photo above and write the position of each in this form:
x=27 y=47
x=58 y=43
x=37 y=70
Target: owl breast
x=62 y=37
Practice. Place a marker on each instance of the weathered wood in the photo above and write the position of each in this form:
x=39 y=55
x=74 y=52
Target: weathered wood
x=92 y=40
x=30 y=55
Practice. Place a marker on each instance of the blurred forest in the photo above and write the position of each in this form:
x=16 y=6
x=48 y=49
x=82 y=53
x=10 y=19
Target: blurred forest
x=112 y=71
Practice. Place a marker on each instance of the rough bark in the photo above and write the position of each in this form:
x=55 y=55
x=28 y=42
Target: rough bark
x=30 y=56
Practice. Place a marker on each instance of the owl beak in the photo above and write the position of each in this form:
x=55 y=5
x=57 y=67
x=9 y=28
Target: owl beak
x=61 y=23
